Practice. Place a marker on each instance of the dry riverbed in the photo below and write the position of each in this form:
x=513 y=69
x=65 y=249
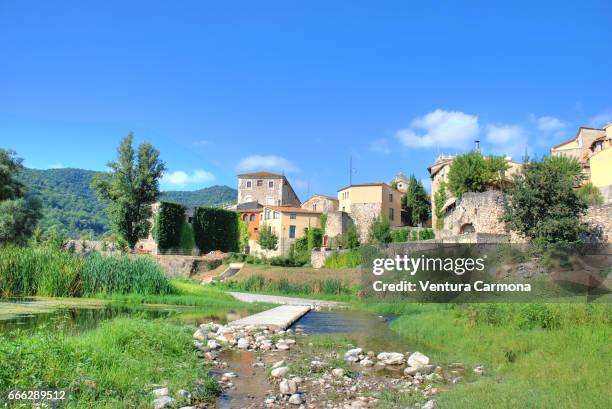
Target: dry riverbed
x=259 y=367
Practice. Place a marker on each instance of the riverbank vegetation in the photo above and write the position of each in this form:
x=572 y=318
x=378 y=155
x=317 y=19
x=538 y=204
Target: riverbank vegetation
x=44 y=271
x=115 y=365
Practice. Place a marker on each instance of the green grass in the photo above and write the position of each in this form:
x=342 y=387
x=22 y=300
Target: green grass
x=27 y=271
x=334 y=288
x=348 y=259
x=529 y=366
x=113 y=366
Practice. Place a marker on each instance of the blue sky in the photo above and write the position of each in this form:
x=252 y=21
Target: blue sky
x=226 y=87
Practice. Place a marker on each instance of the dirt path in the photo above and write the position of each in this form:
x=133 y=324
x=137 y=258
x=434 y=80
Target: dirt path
x=277 y=299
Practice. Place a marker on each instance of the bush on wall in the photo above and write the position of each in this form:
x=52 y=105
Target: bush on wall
x=215 y=229
x=169 y=224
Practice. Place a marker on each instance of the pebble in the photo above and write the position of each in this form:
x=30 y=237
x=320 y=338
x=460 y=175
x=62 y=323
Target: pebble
x=280 y=372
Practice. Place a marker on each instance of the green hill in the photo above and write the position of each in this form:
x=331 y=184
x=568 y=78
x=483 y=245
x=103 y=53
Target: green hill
x=211 y=196
x=71 y=206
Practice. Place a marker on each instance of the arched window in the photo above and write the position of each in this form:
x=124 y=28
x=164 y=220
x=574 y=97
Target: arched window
x=244 y=217
x=252 y=218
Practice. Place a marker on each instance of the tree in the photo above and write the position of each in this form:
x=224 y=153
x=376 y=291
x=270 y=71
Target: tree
x=243 y=234
x=267 y=239
x=416 y=202
x=543 y=204
x=380 y=231
x=19 y=212
x=472 y=172
x=440 y=198
x=130 y=188
x=590 y=194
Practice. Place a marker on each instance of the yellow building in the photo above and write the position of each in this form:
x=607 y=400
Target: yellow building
x=288 y=223
x=600 y=163
x=365 y=202
x=581 y=147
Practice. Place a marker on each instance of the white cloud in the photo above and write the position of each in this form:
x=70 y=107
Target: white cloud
x=266 y=162
x=507 y=139
x=550 y=124
x=180 y=178
x=445 y=129
x=601 y=119
x=380 y=146
x=57 y=166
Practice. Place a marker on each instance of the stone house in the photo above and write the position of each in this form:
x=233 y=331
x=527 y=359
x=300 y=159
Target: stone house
x=581 y=147
x=366 y=202
x=400 y=181
x=438 y=173
x=288 y=223
x=321 y=203
x=266 y=188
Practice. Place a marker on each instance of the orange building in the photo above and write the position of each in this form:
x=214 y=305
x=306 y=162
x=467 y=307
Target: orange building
x=251 y=214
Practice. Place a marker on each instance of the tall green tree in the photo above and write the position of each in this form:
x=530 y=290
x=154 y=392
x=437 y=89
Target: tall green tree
x=416 y=202
x=19 y=212
x=380 y=231
x=543 y=204
x=472 y=172
x=130 y=188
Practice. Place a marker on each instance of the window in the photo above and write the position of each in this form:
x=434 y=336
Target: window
x=259 y=183
x=292 y=216
x=292 y=231
x=276 y=215
x=248 y=184
x=244 y=217
x=390 y=197
x=314 y=207
x=190 y=220
x=252 y=218
x=271 y=184
x=267 y=214
x=391 y=213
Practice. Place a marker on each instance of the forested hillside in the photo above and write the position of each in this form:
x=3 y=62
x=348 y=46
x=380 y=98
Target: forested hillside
x=71 y=206
x=211 y=196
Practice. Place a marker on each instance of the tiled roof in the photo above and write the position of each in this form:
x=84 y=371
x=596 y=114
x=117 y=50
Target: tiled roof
x=325 y=196
x=366 y=184
x=291 y=209
x=260 y=175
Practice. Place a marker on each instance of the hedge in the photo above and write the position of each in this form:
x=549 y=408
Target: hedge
x=169 y=225
x=215 y=229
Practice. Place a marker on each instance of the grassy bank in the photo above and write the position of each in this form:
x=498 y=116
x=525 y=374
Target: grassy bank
x=537 y=356
x=112 y=366
x=28 y=271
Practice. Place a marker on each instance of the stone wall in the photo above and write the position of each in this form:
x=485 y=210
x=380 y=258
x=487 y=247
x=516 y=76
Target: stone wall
x=599 y=223
x=337 y=223
x=186 y=266
x=363 y=214
x=477 y=213
x=318 y=256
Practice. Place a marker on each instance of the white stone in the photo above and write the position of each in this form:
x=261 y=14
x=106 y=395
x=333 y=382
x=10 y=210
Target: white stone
x=288 y=387
x=212 y=344
x=352 y=353
x=391 y=358
x=338 y=372
x=163 y=402
x=366 y=362
x=183 y=394
x=230 y=375
x=418 y=359
x=278 y=364
x=158 y=393
x=200 y=335
x=430 y=404
x=358 y=405
x=296 y=399
x=279 y=372
x=243 y=343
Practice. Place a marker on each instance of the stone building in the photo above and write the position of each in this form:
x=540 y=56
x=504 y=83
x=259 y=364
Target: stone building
x=267 y=189
x=366 y=202
x=400 y=181
x=439 y=174
x=581 y=147
x=321 y=203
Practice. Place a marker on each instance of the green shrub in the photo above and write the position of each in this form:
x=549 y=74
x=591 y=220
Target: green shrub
x=267 y=239
x=169 y=224
x=590 y=194
x=380 y=231
x=345 y=259
x=400 y=235
x=216 y=229
x=315 y=237
x=187 y=242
